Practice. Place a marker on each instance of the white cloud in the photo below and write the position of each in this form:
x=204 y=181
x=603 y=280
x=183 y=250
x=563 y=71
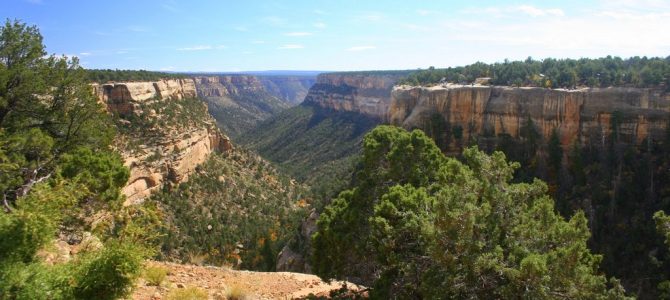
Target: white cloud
x=274 y=20
x=170 y=6
x=371 y=17
x=258 y=42
x=221 y=47
x=195 y=48
x=538 y=12
x=320 y=25
x=425 y=12
x=319 y=12
x=170 y=68
x=241 y=28
x=297 y=33
x=121 y=52
x=290 y=46
x=361 y=48
x=85 y=53
x=135 y=28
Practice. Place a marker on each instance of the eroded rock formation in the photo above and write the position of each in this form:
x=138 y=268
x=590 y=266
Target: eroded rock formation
x=366 y=94
x=161 y=154
x=124 y=97
x=582 y=115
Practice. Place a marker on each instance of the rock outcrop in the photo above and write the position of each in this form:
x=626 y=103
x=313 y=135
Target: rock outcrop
x=166 y=151
x=582 y=115
x=124 y=97
x=366 y=94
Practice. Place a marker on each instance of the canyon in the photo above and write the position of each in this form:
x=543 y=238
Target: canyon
x=579 y=115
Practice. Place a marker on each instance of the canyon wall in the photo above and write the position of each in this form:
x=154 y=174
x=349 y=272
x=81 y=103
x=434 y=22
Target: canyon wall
x=366 y=94
x=125 y=97
x=290 y=89
x=583 y=115
x=227 y=85
x=166 y=152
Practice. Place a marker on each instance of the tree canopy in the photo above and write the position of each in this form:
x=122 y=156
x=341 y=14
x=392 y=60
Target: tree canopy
x=556 y=73
x=416 y=224
x=56 y=170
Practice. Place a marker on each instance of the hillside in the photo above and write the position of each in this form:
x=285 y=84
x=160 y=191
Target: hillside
x=237 y=102
x=315 y=145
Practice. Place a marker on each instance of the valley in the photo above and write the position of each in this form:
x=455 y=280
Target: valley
x=533 y=179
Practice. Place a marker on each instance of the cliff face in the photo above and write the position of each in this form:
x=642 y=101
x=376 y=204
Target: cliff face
x=290 y=89
x=584 y=115
x=237 y=102
x=226 y=85
x=164 y=133
x=125 y=97
x=369 y=95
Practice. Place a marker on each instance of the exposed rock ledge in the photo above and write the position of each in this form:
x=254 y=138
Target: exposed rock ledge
x=124 y=97
x=174 y=153
x=578 y=115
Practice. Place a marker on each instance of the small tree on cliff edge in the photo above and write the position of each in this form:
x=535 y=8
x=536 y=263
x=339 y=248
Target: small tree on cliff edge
x=439 y=229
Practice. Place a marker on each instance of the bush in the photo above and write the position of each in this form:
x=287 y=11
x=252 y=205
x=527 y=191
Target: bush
x=235 y=292
x=189 y=293
x=107 y=274
x=155 y=275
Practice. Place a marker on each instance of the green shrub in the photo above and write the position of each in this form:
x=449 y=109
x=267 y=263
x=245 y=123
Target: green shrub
x=189 y=293
x=107 y=274
x=155 y=275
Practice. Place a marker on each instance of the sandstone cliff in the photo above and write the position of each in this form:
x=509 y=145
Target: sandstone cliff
x=583 y=115
x=125 y=97
x=362 y=93
x=164 y=132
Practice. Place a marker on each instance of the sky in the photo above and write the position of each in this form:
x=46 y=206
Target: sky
x=233 y=36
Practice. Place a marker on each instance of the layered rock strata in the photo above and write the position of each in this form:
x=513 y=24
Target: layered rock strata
x=581 y=115
x=172 y=152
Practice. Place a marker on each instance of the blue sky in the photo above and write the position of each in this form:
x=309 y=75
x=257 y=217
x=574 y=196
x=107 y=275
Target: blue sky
x=200 y=35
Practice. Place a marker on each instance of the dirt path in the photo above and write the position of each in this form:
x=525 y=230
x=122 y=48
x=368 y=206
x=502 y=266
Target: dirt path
x=216 y=281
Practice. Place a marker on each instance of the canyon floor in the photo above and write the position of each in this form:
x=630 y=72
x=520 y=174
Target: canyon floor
x=254 y=285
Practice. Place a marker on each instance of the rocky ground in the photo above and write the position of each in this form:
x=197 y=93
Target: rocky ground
x=218 y=281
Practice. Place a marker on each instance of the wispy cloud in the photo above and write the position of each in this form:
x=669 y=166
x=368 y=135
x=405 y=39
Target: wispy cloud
x=297 y=33
x=371 y=17
x=203 y=47
x=320 y=25
x=170 y=68
x=195 y=48
x=538 y=12
x=274 y=20
x=85 y=53
x=511 y=11
x=121 y=52
x=319 y=12
x=361 y=48
x=258 y=42
x=170 y=6
x=241 y=28
x=35 y=1
x=290 y=46
x=135 y=28
x=425 y=12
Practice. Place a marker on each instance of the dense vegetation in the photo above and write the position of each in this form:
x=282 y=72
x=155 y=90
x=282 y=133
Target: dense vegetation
x=618 y=184
x=313 y=144
x=236 y=210
x=56 y=171
x=416 y=224
x=556 y=73
x=239 y=112
x=108 y=75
